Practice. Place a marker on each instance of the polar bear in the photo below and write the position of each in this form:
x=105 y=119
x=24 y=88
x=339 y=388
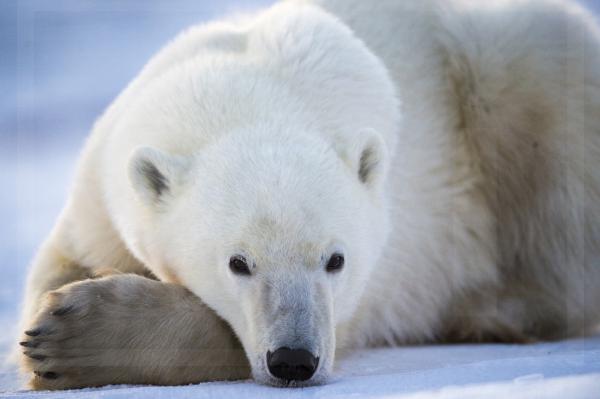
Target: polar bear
x=324 y=175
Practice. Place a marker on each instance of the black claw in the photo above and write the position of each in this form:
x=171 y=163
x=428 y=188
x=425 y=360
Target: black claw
x=34 y=333
x=50 y=375
x=29 y=344
x=62 y=311
x=34 y=356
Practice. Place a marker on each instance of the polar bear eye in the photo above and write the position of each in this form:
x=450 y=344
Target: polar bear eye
x=335 y=263
x=238 y=265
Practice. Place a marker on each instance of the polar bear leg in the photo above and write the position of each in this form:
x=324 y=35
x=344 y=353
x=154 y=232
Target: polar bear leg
x=51 y=269
x=127 y=329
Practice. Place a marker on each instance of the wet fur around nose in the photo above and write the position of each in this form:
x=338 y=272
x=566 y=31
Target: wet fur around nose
x=295 y=315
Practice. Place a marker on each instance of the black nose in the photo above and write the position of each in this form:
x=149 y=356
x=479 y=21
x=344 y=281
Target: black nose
x=292 y=364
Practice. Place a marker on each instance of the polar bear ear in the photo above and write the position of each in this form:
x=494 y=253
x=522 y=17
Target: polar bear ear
x=155 y=174
x=369 y=157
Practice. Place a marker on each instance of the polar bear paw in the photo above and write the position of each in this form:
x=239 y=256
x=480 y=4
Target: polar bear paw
x=74 y=338
x=128 y=329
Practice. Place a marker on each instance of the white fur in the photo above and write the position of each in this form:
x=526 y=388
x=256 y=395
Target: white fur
x=479 y=208
x=495 y=182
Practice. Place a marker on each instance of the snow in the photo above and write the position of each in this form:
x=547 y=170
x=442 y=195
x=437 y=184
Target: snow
x=62 y=62
x=546 y=370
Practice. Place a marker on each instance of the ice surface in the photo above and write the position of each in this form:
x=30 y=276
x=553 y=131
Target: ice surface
x=548 y=370
x=61 y=63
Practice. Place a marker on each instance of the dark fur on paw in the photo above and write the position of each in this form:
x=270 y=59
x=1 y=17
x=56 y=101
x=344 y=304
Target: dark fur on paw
x=59 y=347
x=126 y=329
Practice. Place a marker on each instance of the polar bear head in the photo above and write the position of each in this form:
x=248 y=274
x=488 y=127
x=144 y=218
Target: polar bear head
x=275 y=214
x=277 y=235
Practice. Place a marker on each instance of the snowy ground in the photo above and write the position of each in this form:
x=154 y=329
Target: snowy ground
x=568 y=369
x=61 y=63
